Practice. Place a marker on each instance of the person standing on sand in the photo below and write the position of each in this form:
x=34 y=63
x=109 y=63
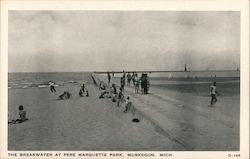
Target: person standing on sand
x=52 y=86
x=114 y=88
x=109 y=77
x=120 y=97
x=128 y=79
x=213 y=93
x=122 y=83
x=127 y=105
x=136 y=83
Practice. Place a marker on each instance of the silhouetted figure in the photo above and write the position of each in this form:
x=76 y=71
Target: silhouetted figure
x=109 y=77
x=185 y=67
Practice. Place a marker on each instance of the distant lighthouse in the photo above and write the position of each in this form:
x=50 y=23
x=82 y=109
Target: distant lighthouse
x=185 y=68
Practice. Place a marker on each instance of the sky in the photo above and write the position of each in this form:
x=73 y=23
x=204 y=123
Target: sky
x=66 y=41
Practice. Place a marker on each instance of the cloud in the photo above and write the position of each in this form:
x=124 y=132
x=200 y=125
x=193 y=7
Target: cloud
x=115 y=40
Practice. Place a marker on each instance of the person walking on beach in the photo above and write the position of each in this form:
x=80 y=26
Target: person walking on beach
x=52 y=86
x=213 y=93
x=120 y=97
x=109 y=77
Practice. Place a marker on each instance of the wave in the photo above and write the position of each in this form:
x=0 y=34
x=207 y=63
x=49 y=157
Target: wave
x=34 y=85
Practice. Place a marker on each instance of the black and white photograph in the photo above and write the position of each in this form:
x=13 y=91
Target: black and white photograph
x=124 y=80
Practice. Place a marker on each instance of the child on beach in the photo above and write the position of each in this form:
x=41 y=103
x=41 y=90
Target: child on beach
x=120 y=97
x=127 y=105
x=22 y=114
x=213 y=93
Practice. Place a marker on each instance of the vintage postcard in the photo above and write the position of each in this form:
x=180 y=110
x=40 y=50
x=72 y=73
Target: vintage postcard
x=124 y=79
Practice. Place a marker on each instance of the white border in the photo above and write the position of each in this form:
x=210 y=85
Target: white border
x=188 y=5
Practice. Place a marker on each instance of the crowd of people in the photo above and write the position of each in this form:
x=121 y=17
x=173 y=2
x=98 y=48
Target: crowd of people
x=111 y=92
x=142 y=82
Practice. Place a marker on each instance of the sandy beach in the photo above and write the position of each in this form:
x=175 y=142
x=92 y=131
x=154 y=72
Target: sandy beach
x=87 y=123
x=170 y=119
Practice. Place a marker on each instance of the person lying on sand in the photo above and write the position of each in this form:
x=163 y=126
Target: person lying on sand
x=22 y=114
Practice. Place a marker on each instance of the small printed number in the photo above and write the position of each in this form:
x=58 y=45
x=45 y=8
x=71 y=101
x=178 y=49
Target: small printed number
x=233 y=155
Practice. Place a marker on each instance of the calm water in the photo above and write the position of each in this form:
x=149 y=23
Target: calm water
x=24 y=80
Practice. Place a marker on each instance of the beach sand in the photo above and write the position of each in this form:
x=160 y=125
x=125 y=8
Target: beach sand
x=184 y=115
x=173 y=117
x=82 y=124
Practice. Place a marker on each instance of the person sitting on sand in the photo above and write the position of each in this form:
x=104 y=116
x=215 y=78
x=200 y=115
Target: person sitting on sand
x=62 y=96
x=120 y=97
x=83 y=91
x=22 y=114
x=80 y=93
x=102 y=86
x=68 y=95
x=105 y=94
x=127 y=105
x=213 y=93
